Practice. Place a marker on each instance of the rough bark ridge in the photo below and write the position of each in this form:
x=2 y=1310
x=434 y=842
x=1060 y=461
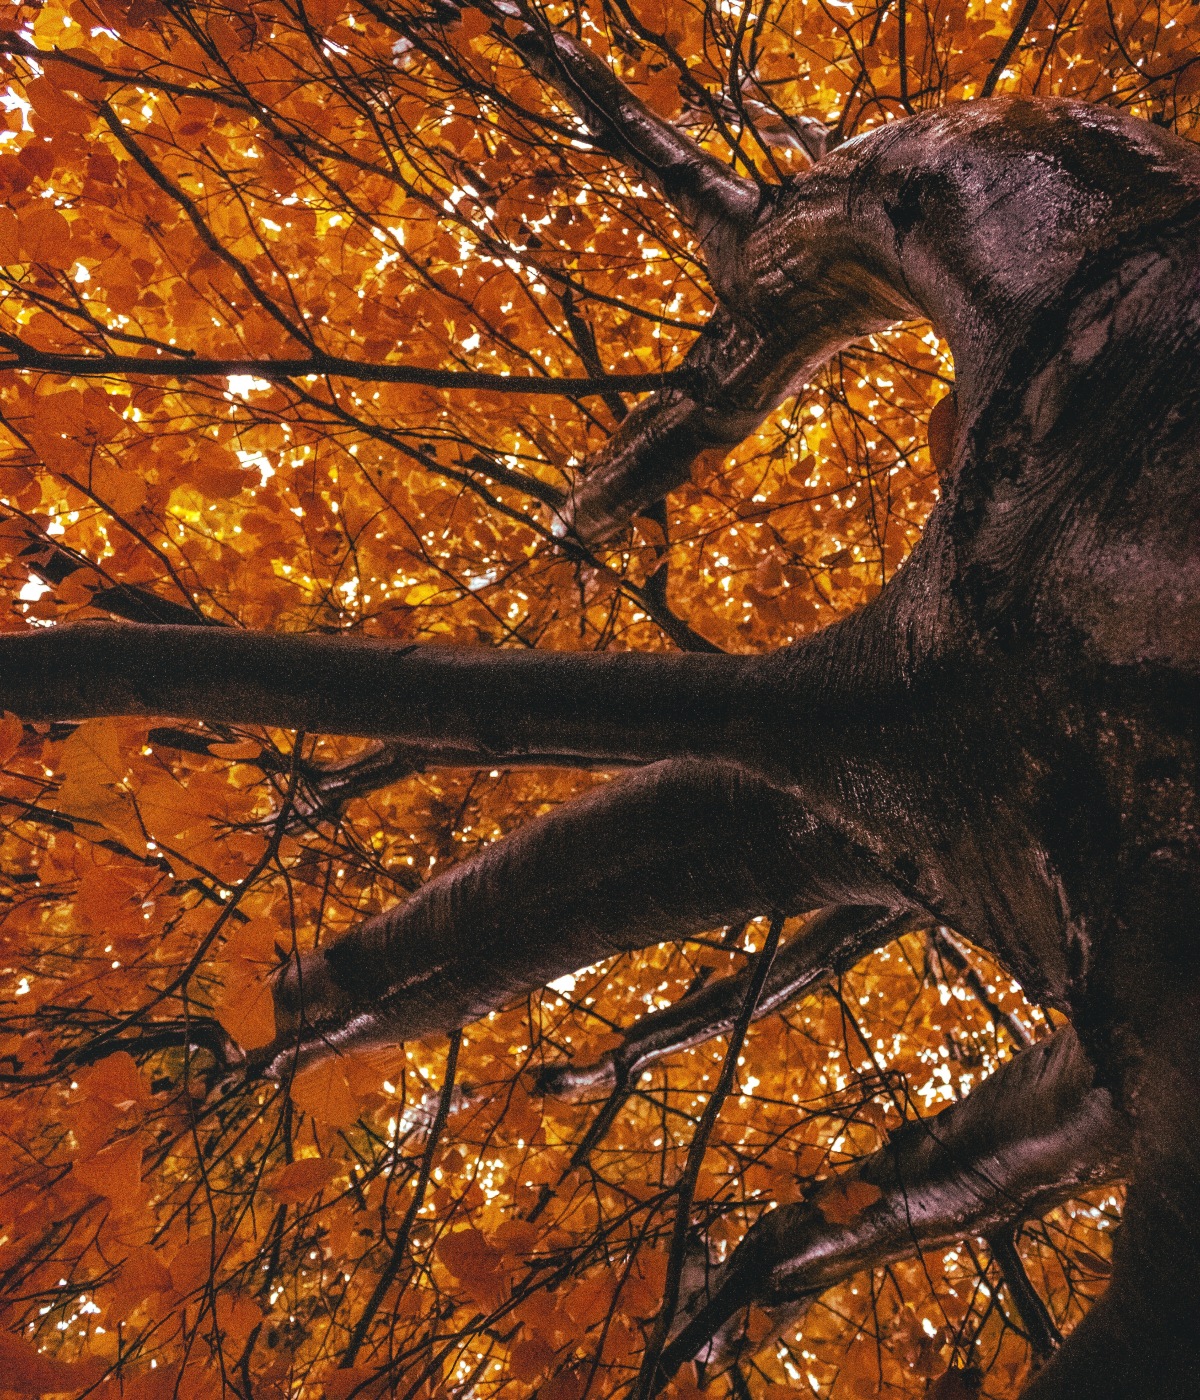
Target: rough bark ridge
x=1006 y=740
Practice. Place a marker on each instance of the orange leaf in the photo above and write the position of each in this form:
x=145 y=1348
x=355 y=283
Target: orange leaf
x=124 y=492
x=191 y=1267
x=245 y=1008
x=301 y=1179
x=355 y=1380
x=324 y=1092
x=528 y=1359
x=117 y=1080
x=589 y=1300
x=45 y=236
x=842 y=1205
x=115 y=1172
x=27 y=1371
x=476 y=1264
x=142 y=1273
x=11 y=733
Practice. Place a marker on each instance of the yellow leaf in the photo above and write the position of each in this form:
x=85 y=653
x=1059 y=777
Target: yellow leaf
x=123 y=491
x=94 y=763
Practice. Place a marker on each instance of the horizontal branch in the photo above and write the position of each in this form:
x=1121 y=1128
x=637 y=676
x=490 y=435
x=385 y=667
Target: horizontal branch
x=1036 y=1132
x=479 y=704
x=832 y=942
x=26 y=357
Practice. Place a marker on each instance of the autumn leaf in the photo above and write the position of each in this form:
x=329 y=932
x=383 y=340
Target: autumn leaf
x=245 y=1007
x=324 y=1092
x=476 y=1264
x=11 y=733
x=530 y=1358
x=301 y=1179
x=842 y=1205
x=190 y=1266
x=124 y=491
x=27 y=1371
x=117 y=1081
x=95 y=762
x=361 y=1382
x=115 y=1171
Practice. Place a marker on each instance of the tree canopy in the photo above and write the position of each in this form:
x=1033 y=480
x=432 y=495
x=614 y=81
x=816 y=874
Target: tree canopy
x=314 y=318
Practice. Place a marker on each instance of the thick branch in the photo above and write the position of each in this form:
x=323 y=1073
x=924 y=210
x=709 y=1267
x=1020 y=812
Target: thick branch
x=674 y=849
x=830 y=943
x=931 y=217
x=733 y=383
x=1033 y=1134
x=477 y=702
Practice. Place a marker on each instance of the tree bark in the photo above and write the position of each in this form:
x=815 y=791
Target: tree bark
x=1036 y=1132
x=626 y=866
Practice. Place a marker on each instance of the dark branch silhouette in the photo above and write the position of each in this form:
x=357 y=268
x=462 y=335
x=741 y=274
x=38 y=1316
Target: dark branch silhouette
x=831 y=942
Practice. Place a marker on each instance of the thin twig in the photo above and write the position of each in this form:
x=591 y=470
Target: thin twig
x=650 y=1381
x=400 y=1248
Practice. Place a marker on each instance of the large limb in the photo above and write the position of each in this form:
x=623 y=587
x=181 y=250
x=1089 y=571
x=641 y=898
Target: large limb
x=675 y=848
x=460 y=704
x=832 y=942
x=734 y=378
x=931 y=217
x=1036 y=1132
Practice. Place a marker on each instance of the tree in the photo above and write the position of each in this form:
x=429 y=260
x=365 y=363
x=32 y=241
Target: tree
x=295 y=297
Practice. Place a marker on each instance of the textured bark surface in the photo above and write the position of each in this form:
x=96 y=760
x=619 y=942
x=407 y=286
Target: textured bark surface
x=1005 y=740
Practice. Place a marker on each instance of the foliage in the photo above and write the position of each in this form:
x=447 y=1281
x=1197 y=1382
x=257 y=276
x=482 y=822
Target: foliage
x=373 y=193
